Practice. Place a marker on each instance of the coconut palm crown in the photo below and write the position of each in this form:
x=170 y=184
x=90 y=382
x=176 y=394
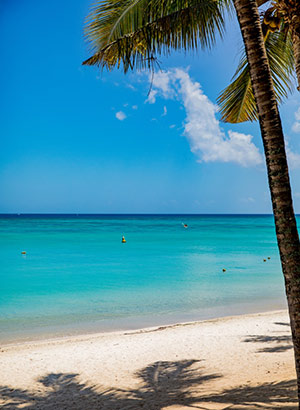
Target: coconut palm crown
x=281 y=29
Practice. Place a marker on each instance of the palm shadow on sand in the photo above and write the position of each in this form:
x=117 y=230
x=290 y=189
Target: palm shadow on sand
x=275 y=344
x=163 y=384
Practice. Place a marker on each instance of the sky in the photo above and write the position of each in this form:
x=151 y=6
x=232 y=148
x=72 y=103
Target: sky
x=77 y=140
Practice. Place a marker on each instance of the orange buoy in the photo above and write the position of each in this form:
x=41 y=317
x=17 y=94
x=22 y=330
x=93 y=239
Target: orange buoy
x=23 y=253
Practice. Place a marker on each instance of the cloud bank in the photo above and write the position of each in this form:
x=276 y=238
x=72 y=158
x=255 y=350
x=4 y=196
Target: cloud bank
x=201 y=127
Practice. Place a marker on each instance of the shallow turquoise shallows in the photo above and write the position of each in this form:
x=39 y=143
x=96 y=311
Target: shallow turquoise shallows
x=78 y=276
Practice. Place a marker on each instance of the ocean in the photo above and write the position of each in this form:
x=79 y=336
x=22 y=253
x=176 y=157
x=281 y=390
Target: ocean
x=78 y=277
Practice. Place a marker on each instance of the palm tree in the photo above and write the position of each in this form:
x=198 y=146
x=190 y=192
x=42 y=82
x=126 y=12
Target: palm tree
x=134 y=32
x=282 y=43
x=288 y=13
x=278 y=176
x=284 y=15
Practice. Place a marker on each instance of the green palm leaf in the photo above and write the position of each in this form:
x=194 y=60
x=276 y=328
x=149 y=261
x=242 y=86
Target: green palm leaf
x=237 y=101
x=133 y=31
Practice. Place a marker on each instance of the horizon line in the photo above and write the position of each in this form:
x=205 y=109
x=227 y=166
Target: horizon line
x=130 y=213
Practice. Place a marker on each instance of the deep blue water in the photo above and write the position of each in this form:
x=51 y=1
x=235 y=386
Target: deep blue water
x=77 y=276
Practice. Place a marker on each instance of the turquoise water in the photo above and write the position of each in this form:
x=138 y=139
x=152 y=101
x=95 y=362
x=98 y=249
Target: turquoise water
x=77 y=276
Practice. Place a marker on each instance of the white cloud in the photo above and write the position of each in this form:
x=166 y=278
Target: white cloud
x=151 y=97
x=296 y=125
x=161 y=81
x=131 y=87
x=292 y=157
x=248 y=199
x=120 y=115
x=165 y=111
x=202 y=129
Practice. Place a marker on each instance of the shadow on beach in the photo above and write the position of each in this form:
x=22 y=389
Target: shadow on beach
x=162 y=385
x=278 y=343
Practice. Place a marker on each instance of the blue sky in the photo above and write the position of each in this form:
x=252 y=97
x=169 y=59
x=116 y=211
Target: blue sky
x=76 y=140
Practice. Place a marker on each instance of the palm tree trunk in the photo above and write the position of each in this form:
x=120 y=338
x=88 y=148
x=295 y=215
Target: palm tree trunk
x=296 y=48
x=279 y=183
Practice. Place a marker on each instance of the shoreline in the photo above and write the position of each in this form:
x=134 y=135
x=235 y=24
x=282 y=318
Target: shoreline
x=125 y=332
x=133 y=323
x=231 y=362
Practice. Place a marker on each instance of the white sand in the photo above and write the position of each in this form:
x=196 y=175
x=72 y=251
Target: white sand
x=243 y=362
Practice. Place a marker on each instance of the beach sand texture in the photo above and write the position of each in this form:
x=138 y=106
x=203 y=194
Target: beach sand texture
x=243 y=362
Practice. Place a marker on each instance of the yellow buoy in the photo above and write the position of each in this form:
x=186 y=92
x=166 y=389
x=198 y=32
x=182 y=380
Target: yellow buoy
x=123 y=239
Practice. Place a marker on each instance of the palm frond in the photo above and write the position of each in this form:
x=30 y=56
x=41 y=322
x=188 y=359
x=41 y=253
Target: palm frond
x=237 y=102
x=132 y=32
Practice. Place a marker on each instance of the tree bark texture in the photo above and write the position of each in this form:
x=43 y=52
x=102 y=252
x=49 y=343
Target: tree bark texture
x=278 y=176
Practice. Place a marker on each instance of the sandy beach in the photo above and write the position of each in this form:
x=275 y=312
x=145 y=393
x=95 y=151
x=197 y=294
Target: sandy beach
x=242 y=362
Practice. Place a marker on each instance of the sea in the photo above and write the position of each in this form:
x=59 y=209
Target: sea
x=72 y=274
